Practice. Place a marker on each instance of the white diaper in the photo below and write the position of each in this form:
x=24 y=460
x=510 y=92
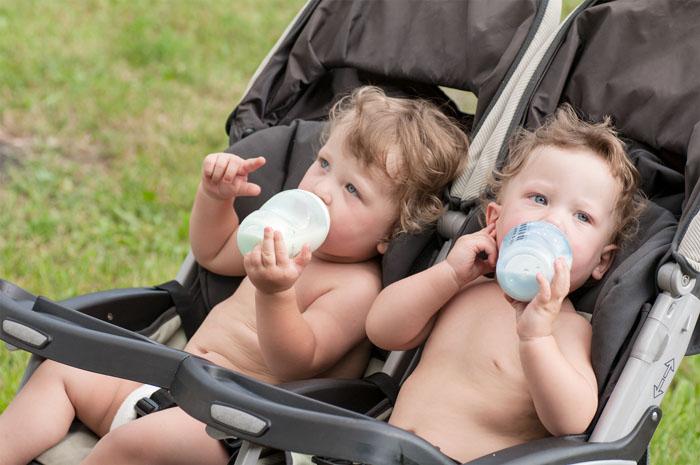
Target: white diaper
x=127 y=410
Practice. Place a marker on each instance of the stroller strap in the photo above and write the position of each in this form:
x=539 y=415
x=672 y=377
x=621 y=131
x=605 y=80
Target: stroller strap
x=386 y=384
x=159 y=400
x=190 y=316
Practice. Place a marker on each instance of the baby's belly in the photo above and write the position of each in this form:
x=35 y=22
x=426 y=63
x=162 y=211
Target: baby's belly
x=228 y=336
x=463 y=421
x=468 y=395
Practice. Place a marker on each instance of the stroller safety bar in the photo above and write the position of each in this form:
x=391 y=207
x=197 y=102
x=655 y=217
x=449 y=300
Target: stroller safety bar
x=238 y=406
x=53 y=331
x=232 y=404
x=572 y=450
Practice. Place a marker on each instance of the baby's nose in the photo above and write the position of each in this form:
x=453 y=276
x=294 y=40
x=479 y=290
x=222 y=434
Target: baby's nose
x=556 y=221
x=322 y=193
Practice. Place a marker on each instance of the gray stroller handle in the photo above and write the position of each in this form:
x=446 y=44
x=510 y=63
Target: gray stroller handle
x=53 y=331
x=234 y=405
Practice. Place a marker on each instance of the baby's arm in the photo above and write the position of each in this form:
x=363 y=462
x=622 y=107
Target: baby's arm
x=555 y=348
x=300 y=343
x=213 y=222
x=403 y=314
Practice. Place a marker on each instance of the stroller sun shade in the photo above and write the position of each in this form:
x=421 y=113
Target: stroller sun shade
x=408 y=47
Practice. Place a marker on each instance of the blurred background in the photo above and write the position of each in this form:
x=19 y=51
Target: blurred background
x=107 y=108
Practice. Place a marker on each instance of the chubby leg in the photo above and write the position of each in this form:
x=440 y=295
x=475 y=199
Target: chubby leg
x=167 y=437
x=41 y=413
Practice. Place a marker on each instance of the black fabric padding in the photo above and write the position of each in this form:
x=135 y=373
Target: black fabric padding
x=617 y=299
x=386 y=384
x=191 y=315
x=637 y=61
x=661 y=184
x=407 y=46
x=408 y=254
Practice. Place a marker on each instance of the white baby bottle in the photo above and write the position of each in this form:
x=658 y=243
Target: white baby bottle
x=528 y=249
x=299 y=215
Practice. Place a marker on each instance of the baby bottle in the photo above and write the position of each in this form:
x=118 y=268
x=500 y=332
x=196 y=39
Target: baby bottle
x=299 y=215
x=526 y=250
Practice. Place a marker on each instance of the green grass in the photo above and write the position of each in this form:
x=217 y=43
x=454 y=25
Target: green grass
x=108 y=108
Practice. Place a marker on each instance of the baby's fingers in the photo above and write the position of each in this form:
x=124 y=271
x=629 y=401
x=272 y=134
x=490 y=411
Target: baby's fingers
x=545 y=293
x=485 y=250
x=246 y=189
x=281 y=255
x=209 y=164
x=231 y=171
x=252 y=259
x=251 y=164
x=561 y=280
x=220 y=166
x=268 y=247
x=491 y=250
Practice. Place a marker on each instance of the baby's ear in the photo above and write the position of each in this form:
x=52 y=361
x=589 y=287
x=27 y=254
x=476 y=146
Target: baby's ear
x=382 y=247
x=493 y=211
x=606 y=259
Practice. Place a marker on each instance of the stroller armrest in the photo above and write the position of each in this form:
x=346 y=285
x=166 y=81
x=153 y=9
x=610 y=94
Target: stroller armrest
x=132 y=308
x=53 y=331
x=274 y=417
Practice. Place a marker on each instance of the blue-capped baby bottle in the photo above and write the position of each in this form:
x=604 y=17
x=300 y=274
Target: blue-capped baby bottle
x=301 y=216
x=528 y=249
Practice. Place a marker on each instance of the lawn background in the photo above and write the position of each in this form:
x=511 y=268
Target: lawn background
x=108 y=108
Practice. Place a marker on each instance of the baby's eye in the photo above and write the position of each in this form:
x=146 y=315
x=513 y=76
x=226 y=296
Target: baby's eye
x=323 y=162
x=351 y=189
x=539 y=198
x=583 y=217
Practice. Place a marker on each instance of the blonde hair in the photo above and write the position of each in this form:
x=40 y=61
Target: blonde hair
x=431 y=149
x=565 y=129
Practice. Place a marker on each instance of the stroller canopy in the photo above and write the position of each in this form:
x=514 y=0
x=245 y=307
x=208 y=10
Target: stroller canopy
x=410 y=46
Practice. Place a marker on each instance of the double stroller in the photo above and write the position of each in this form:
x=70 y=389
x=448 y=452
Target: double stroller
x=631 y=59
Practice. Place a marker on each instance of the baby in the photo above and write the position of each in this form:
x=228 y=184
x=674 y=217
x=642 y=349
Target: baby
x=494 y=372
x=380 y=172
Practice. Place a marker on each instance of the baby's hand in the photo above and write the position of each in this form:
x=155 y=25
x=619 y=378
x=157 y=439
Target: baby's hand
x=474 y=255
x=269 y=267
x=535 y=319
x=225 y=176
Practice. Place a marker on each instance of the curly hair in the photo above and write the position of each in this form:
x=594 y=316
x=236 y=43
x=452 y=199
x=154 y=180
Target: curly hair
x=565 y=129
x=431 y=149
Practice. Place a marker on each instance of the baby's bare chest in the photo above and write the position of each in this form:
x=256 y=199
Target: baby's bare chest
x=477 y=329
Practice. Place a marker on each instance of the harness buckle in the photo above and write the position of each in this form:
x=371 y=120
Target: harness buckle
x=146 y=405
